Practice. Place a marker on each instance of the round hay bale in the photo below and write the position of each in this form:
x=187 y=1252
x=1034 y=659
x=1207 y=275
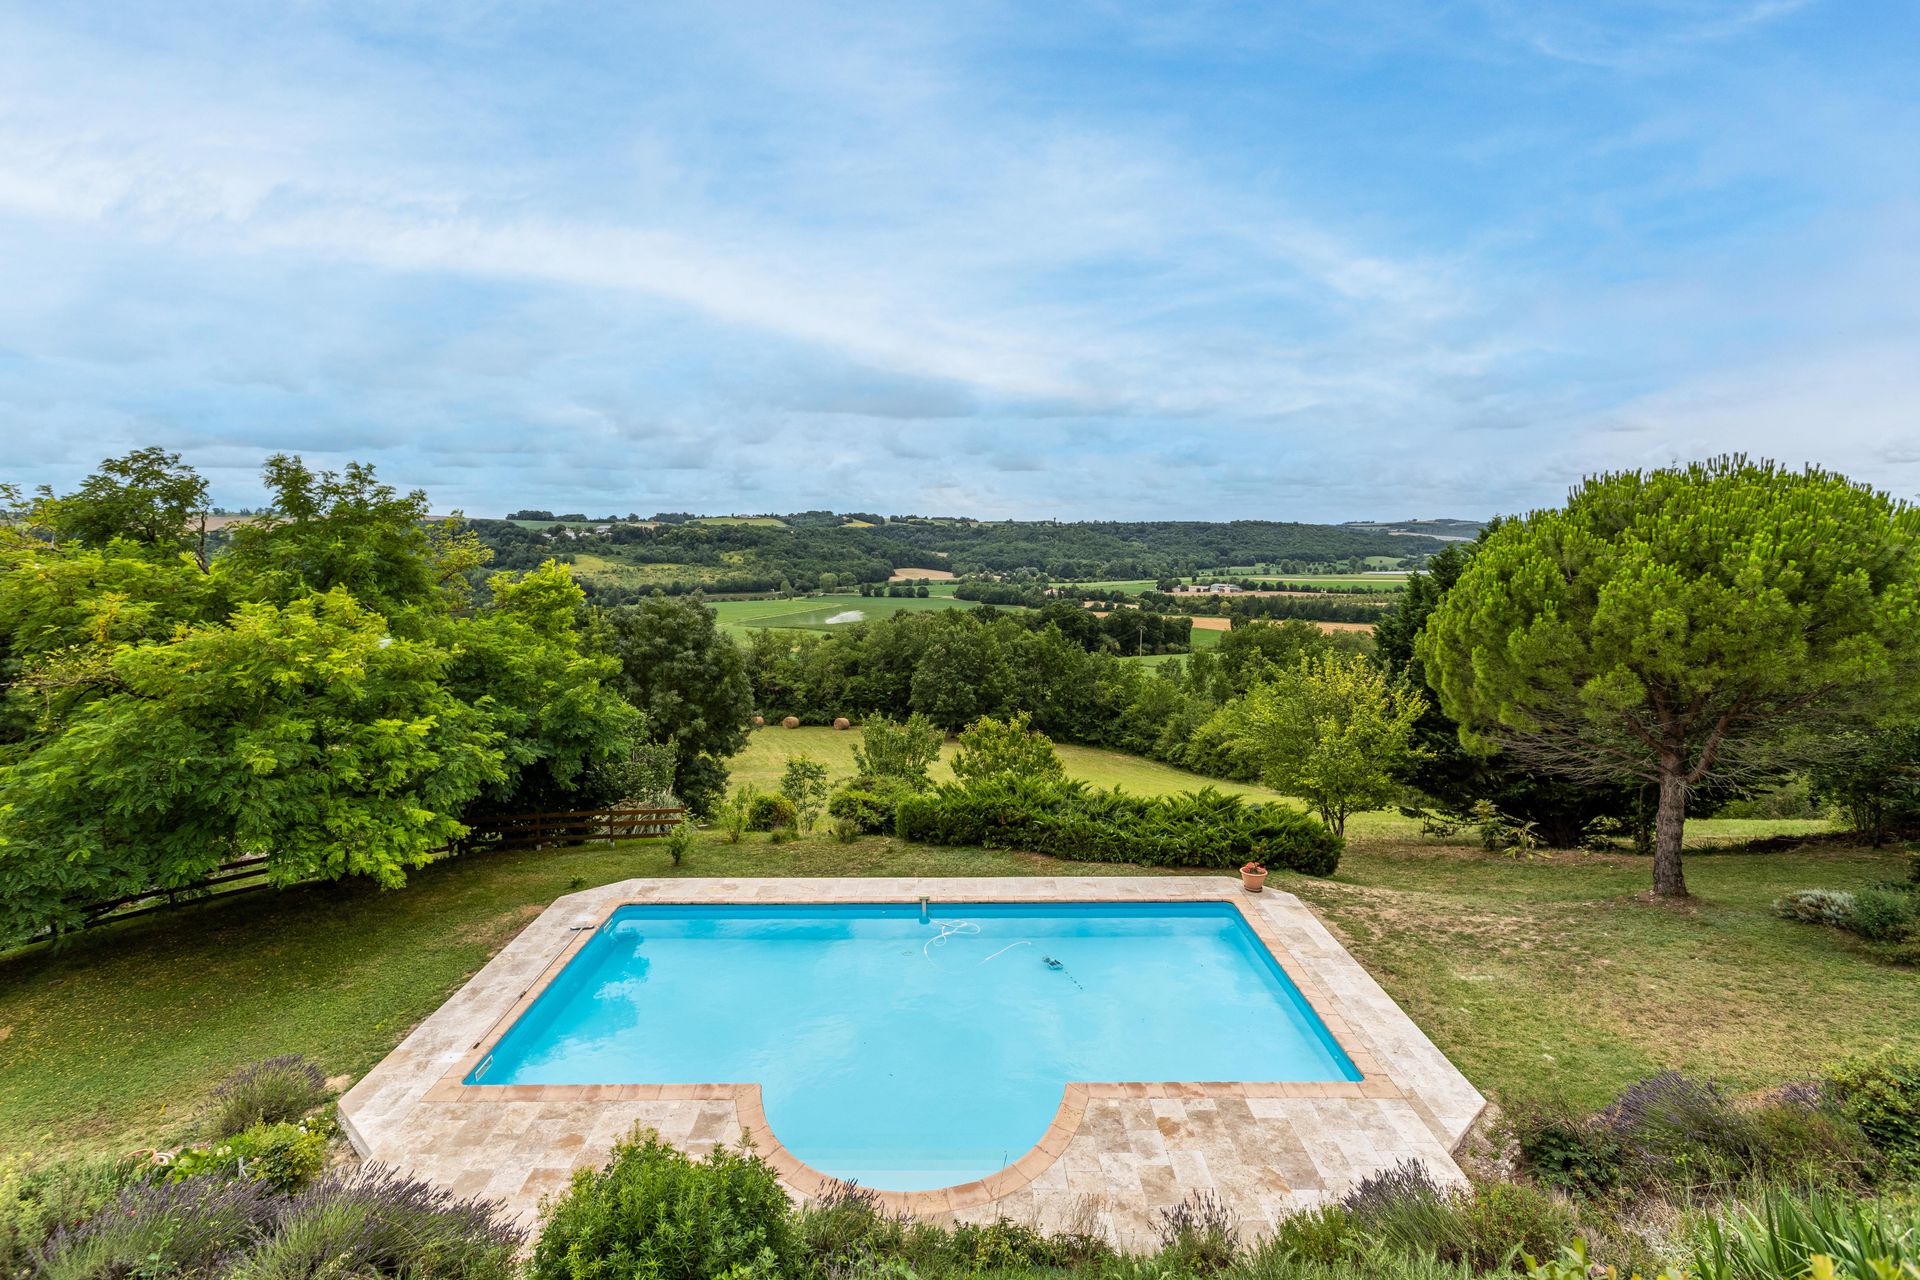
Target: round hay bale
x=791 y=722
x=841 y=722
x=759 y=722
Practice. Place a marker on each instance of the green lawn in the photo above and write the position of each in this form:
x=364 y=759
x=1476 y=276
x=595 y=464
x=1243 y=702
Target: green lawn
x=1534 y=974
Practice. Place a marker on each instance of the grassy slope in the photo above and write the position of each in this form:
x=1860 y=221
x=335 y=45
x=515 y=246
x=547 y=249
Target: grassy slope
x=1550 y=973
x=767 y=751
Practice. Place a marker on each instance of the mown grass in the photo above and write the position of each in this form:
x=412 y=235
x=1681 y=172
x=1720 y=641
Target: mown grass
x=1558 y=974
x=766 y=752
x=1551 y=973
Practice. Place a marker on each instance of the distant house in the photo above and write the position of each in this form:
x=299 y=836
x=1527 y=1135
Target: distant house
x=1223 y=589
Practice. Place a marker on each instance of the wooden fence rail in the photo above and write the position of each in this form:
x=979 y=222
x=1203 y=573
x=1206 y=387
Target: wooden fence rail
x=579 y=826
x=496 y=832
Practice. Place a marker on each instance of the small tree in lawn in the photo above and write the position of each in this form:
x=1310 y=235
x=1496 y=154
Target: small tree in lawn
x=1681 y=627
x=902 y=750
x=989 y=747
x=805 y=784
x=1333 y=730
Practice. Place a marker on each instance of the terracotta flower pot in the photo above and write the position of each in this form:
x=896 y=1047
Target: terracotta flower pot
x=1253 y=881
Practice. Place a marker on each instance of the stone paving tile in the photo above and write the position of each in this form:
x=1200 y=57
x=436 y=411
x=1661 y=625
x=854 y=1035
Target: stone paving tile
x=1115 y=1159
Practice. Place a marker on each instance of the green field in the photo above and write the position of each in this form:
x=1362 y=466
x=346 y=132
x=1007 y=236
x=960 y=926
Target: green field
x=1132 y=586
x=1534 y=975
x=770 y=522
x=822 y=612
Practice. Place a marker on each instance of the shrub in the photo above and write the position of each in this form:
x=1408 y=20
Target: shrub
x=991 y=748
x=1502 y=1221
x=1198 y=1235
x=1561 y=1148
x=1405 y=1210
x=38 y=1198
x=735 y=817
x=284 y=1156
x=190 y=1228
x=804 y=786
x=1070 y=820
x=1881 y=1094
x=869 y=803
x=283 y=1088
x=680 y=842
x=1322 y=1236
x=654 y=1212
x=1678 y=1131
x=1816 y=906
x=1000 y=1245
x=769 y=812
x=1793 y=798
x=844 y=1231
x=1796 y=1140
x=375 y=1222
x=1408 y=1180
x=898 y=750
x=1884 y=915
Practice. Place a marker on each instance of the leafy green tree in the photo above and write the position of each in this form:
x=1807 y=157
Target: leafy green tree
x=1873 y=775
x=148 y=497
x=1332 y=730
x=902 y=750
x=688 y=679
x=1458 y=778
x=1681 y=627
x=307 y=733
x=960 y=677
x=1250 y=650
x=804 y=783
x=65 y=610
x=991 y=748
x=326 y=529
x=566 y=733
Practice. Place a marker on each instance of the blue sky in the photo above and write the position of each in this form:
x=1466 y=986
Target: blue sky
x=1180 y=260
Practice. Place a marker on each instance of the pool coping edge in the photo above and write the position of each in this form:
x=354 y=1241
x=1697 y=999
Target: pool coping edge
x=1400 y=1067
x=451 y=1086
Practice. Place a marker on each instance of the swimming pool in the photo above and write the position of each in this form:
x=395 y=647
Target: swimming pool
x=910 y=1048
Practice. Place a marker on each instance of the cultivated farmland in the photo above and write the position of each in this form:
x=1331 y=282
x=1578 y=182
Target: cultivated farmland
x=822 y=612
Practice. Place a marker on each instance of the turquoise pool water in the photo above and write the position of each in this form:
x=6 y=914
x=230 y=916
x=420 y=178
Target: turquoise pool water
x=910 y=1052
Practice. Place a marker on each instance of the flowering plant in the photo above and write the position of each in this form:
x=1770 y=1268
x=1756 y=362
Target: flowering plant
x=1253 y=869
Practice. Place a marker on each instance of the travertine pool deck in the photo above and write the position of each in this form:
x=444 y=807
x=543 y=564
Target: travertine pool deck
x=1116 y=1154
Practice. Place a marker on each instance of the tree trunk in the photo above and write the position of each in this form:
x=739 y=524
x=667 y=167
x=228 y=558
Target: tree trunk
x=1669 y=825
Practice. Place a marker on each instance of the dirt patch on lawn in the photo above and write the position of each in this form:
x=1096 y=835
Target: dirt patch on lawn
x=497 y=931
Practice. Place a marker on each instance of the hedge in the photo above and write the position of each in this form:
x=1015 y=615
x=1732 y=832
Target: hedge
x=1204 y=828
